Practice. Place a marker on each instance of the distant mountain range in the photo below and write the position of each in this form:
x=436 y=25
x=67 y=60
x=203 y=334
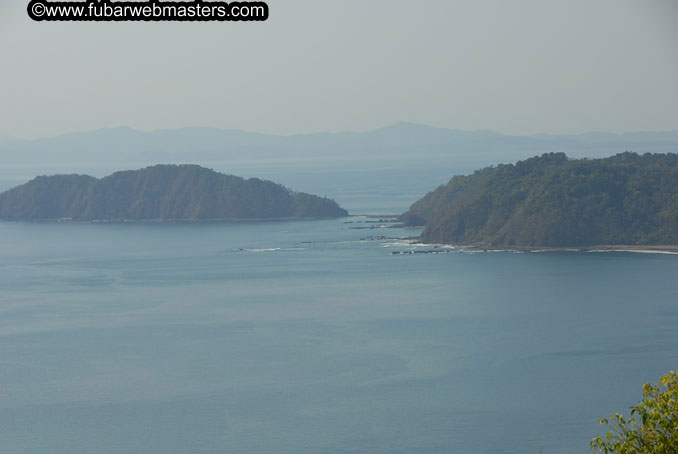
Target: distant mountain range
x=553 y=201
x=403 y=141
x=160 y=193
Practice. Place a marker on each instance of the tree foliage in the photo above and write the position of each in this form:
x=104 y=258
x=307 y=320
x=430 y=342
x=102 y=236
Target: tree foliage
x=555 y=201
x=651 y=428
x=162 y=192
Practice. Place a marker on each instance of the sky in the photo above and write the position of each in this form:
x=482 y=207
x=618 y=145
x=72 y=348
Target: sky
x=519 y=67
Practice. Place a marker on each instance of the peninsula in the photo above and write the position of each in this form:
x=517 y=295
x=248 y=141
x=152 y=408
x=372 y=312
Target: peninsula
x=552 y=201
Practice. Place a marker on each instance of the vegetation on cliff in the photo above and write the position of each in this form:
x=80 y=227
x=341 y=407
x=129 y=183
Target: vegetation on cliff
x=161 y=192
x=554 y=201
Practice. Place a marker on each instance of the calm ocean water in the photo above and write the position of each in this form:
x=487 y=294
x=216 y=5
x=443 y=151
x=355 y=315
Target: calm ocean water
x=312 y=337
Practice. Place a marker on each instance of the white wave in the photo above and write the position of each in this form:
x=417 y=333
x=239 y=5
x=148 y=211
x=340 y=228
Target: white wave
x=637 y=251
x=400 y=243
x=435 y=245
x=270 y=249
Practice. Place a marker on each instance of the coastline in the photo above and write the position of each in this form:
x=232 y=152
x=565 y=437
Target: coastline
x=171 y=221
x=668 y=249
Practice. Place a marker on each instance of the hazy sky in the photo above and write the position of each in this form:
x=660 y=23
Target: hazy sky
x=518 y=67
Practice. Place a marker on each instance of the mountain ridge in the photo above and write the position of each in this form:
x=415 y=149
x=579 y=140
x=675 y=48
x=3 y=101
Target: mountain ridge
x=403 y=140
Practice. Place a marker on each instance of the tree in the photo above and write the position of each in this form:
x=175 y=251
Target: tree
x=652 y=427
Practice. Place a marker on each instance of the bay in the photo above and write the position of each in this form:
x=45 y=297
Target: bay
x=301 y=337
x=311 y=336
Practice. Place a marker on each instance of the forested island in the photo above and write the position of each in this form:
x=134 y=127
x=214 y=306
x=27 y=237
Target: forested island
x=553 y=201
x=160 y=193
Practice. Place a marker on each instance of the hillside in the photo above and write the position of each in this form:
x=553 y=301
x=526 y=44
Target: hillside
x=161 y=192
x=554 y=201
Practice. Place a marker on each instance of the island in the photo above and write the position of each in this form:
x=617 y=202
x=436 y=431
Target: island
x=161 y=193
x=552 y=201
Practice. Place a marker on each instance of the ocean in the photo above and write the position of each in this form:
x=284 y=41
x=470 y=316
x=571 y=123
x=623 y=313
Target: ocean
x=314 y=337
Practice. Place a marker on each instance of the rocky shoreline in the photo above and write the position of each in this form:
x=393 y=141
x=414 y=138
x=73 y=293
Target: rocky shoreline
x=444 y=248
